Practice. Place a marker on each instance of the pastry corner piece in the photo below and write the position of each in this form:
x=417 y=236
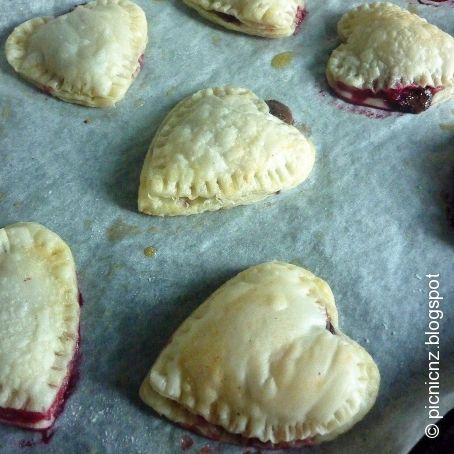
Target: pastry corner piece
x=266 y=18
x=39 y=325
x=263 y=362
x=391 y=59
x=89 y=56
x=219 y=148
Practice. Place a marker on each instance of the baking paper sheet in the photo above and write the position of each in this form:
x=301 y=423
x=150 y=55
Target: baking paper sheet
x=371 y=220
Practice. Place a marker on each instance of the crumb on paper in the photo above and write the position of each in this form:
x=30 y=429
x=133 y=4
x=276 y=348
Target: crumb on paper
x=149 y=251
x=216 y=39
x=17 y=204
x=171 y=91
x=120 y=230
x=88 y=223
x=282 y=60
x=152 y=230
x=5 y=112
x=87 y=120
x=2 y=196
x=139 y=103
x=113 y=268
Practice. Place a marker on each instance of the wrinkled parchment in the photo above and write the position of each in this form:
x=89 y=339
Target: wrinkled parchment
x=371 y=220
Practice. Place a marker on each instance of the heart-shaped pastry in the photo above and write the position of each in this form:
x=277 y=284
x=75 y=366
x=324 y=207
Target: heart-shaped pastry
x=267 y=18
x=219 y=148
x=89 y=56
x=39 y=324
x=262 y=362
x=391 y=59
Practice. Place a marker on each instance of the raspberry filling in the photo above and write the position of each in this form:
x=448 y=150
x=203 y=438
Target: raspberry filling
x=280 y=111
x=409 y=99
x=44 y=420
x=217 y=433
x=301 y=13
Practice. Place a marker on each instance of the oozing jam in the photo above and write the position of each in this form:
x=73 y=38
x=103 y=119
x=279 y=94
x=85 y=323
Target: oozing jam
x=30 y=419
x=409 y=99
x=186 y=442
x=280 y=111
x=206 y=429
x=301 y=13
x=47 y=90
x=228 y=18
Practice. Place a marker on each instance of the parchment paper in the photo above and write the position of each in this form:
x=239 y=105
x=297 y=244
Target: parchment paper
x=371 y=220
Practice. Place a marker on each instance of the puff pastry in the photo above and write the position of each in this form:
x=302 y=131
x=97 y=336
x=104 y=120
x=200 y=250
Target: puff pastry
x=89 y=56
x=267 y=18
x=391 y=59
x=219 y=148
x=39 y=325
x=262 y=362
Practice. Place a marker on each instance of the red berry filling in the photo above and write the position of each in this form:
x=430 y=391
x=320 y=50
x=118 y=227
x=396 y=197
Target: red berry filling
x=44 y=420
x=409 y=99
x=140 y=62
x=217 y=433
x=301 y=13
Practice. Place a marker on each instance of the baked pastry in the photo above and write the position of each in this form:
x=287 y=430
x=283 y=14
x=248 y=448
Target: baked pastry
x=89 y=56
x=263 y=362
x=39 y=325
x=267 y=18
x=219 y=148
x=391 y=59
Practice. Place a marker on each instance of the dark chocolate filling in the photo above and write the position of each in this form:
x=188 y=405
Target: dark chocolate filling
x=280 y=111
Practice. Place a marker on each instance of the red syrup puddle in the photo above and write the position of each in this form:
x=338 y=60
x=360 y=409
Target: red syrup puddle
x=46 y=437
x=346 y=106
x=301 y=14
x=22 y=418
x=186 y=442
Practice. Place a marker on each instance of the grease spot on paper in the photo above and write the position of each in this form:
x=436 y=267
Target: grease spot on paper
x=120 y=230
x=282 y=60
